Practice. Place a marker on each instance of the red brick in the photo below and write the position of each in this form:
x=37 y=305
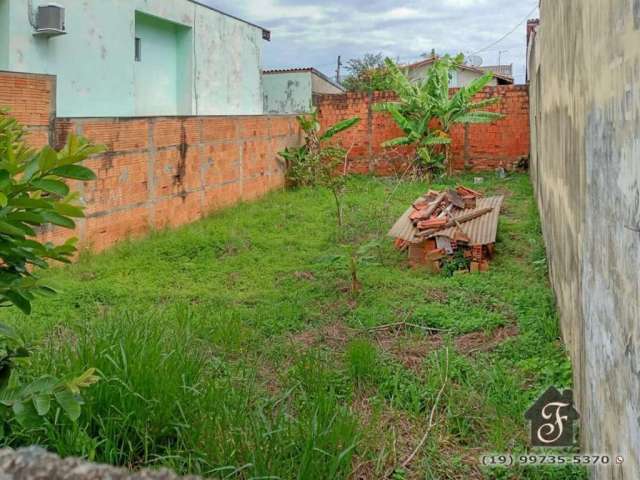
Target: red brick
x=118 y=135
x=218 y=128
x=105 y=231
x=176 y=211
x=176 y=171
x=122 y=181
x=169 y=132
x=500 y=144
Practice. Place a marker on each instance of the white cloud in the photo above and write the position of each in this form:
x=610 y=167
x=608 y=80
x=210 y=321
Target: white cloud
x=267 y=10
x=403 y=13
x=465 y=3
x=315 y=32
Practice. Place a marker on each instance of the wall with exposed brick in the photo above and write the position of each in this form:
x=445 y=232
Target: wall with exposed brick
x=156 y=172
x=168 y=171
x=503 y=143
x=31 y=99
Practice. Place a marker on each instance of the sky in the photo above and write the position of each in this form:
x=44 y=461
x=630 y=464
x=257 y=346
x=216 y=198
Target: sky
x=312 y=33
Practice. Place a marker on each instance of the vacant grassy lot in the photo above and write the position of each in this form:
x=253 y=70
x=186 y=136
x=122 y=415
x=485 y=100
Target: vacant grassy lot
x=233 y=347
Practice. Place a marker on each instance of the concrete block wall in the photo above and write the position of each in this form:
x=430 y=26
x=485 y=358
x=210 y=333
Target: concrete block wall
x=156 y=172
x=35 y=463
x=503 y=143
x=584 y=67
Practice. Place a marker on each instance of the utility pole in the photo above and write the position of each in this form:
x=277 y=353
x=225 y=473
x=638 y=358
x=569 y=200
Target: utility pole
x=500 y=52
x=338 y=70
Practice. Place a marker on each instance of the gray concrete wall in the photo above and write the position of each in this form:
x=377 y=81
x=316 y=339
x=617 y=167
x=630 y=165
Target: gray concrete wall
x=585 y=127
x=36 y=464
x=321 y=86
x=287 y=92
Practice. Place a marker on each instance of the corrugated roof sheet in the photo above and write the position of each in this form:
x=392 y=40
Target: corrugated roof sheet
x=404 y=228
x=288 y=70
x=481 y=230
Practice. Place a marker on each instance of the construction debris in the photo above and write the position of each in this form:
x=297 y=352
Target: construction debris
x=440 y=226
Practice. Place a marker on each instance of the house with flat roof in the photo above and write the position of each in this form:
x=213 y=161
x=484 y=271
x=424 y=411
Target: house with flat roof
x=292 y=90
x=137 y=57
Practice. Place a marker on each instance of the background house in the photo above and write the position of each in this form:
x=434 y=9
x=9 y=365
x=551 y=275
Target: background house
x=138 y=58
x=503 y=74
x=292 y=90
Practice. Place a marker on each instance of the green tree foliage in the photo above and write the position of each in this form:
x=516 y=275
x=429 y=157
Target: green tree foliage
x=426 y=111
x=368 y=74
x=315 y=163
x=34 y=194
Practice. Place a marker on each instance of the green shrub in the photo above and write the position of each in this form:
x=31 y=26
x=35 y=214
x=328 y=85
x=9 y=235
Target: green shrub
x=34 y=195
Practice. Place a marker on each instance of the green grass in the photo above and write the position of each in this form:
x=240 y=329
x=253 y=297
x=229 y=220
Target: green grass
x=232 y=348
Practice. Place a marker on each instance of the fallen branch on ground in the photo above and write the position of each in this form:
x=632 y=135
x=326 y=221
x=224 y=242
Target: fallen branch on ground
x=432 y=415
x=391 y=326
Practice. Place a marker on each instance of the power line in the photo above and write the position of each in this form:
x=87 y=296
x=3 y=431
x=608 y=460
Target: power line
x=507 y=34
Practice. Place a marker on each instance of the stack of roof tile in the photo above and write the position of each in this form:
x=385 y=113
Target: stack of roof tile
x=440 y=224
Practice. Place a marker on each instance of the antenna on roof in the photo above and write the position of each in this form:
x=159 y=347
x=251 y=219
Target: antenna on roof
x=474 y=60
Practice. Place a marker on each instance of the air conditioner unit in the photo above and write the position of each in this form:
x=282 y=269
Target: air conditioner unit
x=50 y=20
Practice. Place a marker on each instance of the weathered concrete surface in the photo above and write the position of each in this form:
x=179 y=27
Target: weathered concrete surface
x=218 y=58
x=585 y=130
x=292 y=91
x=37 y=464
x=287 y=92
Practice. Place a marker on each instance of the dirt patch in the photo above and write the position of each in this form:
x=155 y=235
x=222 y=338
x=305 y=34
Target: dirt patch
x=469 y=457
x=389 y=432
x=482 y=342
x=437 y=295
x=407 y=345
x=503 y=191
x=309 y=276
x=334 y=335
x=409 y=349
x=269 y=377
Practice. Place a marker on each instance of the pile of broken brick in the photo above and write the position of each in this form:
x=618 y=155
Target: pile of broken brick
x=440 y=225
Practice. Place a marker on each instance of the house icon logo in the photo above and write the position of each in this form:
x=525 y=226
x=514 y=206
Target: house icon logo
x=552 y=419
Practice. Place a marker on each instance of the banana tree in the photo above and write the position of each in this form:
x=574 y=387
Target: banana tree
x=426 y=111
x=418 y=133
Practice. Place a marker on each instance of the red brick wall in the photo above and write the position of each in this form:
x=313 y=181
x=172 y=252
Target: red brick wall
x=475 y=147
x=166 y=172
x=30 y=99
x=157 y=172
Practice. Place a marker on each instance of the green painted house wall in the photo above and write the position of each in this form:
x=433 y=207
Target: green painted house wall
x=161 y=83
x=212 y=65
x=287 y=92
x=4 y=34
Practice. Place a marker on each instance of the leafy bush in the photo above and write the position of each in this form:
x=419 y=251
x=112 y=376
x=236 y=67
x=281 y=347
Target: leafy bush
x=368 y=74
x=315 y=163
x=34 y=194
x=311 y=163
